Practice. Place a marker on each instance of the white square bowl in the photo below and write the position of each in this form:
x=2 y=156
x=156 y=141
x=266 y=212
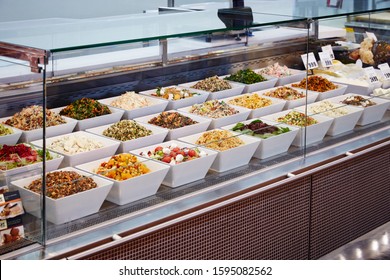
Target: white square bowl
x=340 y=124
x=202 y=125
x=296 y=76
x=115 y=116
x=314 y=133
x=290 y=104
x=216 y=123
x=356 y=87
x=11 y=139
x=184 y=172
x=133 y=189
x=236 y=89
x=384 y=95
x=340 y=90
x=24 y=171
x=109 y=148
x=158 y=135
x=175 y=104
x=269 y=83
x=370 y=114
x=159 y=105
x=35 y=134
x=232 y=158
x=273 y=145
x=68 y=208
x=276 y=106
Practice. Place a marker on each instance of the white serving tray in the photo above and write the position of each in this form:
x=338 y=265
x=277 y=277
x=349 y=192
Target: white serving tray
x=133 y=189
x=370 y=114
x=217 y=123
x=232 y=158
x=176 y=104
x=202 y=125
x=51 y=131
x=11 y=139
x=314 y=133
x=340 y=124
x=276 y=106
x=115 y=116
x=109 y=148
x=66 y=209
x=273 y=145
x=184 y=172
x=158 y=135
x=236 y=89
x=158 y=106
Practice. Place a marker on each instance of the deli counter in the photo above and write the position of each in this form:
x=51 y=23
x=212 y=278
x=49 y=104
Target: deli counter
x=252 y=134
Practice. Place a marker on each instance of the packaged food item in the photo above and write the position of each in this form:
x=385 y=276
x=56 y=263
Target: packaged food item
x=357 y=100
x=85 y=108
x=11 y=230
x=174 y=154
x=285 y=93
x=172 y=120
x=173 y=93
x=250 y=101
x=70 y=144
x=20 y=155
x=213 y=109
x=62 y=183
x=220 y=140
x=297 y=119
x=11 y=205
x=212 y=84
x=31 y=118
x=131 y=100
x=260 y=129
x=122 y=167
x=276 y=70
x=316 y=83
x=329 y=109
x=5 y=130
x=125 y=130
x=247 y=76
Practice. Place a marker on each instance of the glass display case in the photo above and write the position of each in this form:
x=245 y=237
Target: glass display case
x=139 y=119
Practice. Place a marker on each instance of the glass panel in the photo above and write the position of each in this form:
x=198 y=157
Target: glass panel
x=19 y=158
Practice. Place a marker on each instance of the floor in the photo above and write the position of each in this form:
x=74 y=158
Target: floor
x=374 y=245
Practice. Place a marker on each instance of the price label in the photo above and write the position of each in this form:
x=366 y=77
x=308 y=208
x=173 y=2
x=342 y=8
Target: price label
x=3 y=224
x=385 y=69
x=309 y=60
x=329 y=50
x=326 y=61
x=2 y=200
x=372 y=77
x=372 y=36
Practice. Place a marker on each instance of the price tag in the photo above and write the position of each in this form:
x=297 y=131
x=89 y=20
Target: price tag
x=372 y=77
x=3 y=224
x=2 y=200
x=309 y=60
x=329 y=50
x=326 y=61
x=385 y=69
x=372 y=36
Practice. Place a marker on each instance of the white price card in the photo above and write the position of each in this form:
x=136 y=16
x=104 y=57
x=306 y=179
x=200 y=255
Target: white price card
x=372 y=36
x=385 y=69
x=309 y=60
x=370 y=72
x=329 y=50
x=326 y=61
